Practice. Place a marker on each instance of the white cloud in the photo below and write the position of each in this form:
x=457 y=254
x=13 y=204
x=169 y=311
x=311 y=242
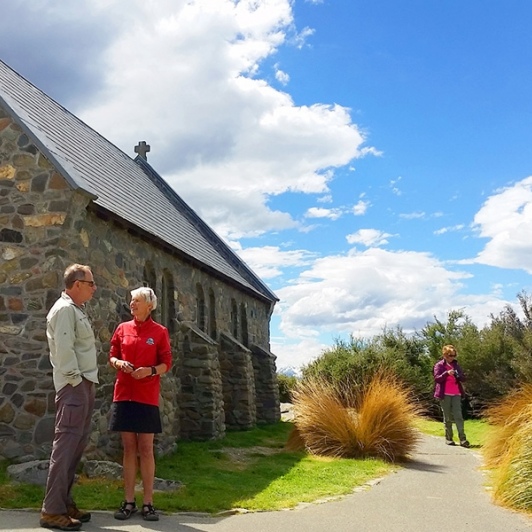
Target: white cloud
x=269 y=261
x=394 y=186
x=69 y=40
x=362 y=292
x=368 y=237
x=281 y=76
x=296 y=353
x=241 y=214
x=300 y=38
x=449 y=229
x=220 y=135
x=420 y=215
x=333 y=214
x=370 y=150
x=361 y=207
x=325 y=199
x=319 y=212
x=505 y=219
x=413 y=215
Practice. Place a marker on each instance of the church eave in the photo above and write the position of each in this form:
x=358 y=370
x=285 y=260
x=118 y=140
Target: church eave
x=153 y=239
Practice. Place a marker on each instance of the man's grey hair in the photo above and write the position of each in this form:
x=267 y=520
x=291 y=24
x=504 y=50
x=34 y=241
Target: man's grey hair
x=147 y=293
x=75 y=272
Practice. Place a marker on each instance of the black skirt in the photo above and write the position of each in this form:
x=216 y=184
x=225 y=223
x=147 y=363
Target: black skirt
x=130 y=416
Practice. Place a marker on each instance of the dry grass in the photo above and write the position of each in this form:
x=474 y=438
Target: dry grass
x=509 y=448
x=295 y=441
x=507 y=417
x=377 y=419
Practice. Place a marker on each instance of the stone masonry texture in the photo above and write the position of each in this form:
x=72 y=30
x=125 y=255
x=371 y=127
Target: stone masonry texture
x=223 y=374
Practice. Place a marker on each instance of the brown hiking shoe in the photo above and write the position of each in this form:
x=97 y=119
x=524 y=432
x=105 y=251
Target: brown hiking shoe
x=74 y=512
x=59 y=521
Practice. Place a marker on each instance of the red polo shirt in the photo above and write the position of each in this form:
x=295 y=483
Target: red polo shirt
x=144 y=344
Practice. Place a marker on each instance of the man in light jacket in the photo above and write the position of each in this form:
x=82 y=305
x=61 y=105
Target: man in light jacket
x=75 y=373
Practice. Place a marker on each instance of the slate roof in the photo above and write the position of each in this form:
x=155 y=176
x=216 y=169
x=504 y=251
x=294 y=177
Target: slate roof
x=129 y=189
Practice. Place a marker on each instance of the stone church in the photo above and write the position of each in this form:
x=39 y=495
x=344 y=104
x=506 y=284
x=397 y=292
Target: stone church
x=68 y=195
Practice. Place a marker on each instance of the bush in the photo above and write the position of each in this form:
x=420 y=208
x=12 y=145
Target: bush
x=286 y=385
x=375 y=419
x=356 y=361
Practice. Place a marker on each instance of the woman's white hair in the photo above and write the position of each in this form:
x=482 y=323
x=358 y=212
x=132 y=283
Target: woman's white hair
x=147 y=293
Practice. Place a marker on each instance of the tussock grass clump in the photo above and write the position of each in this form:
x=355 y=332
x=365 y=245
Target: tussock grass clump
x=509 y=448
x=506 y=416
x=377 y=419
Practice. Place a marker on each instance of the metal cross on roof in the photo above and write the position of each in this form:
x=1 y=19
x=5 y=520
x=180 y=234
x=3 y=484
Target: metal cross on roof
x=142 y=149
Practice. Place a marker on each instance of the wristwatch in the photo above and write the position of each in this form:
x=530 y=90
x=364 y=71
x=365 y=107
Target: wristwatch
x=153 y=371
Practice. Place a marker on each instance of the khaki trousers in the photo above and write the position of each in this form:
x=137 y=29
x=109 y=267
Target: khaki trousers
x=74 y=407
x=451 y=406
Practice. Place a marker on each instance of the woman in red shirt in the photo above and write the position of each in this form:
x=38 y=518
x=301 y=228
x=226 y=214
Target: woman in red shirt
x=140 y=352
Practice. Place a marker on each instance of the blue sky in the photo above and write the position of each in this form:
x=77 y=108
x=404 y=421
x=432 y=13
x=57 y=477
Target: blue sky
x=369 y=160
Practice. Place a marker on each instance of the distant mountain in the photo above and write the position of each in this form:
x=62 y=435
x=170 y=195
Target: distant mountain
x=289 y=371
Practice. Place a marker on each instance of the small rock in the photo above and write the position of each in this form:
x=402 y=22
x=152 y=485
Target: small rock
x=103 y=468
x=34 y=472
x=160 y=484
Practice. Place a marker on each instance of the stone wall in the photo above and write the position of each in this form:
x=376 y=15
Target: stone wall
x=44 y=226
x=237 y=373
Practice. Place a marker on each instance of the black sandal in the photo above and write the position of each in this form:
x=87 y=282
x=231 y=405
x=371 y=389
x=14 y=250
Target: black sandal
x=148 y=513
x=126 y=510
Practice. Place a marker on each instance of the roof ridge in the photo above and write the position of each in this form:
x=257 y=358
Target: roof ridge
x=214 y=237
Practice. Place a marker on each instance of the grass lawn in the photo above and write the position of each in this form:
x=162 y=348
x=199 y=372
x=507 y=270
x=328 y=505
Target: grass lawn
x=247 y=470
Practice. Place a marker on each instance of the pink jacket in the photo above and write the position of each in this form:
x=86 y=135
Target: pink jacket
x=440 y=376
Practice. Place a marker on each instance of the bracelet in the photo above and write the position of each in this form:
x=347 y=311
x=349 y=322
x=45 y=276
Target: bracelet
x=153 y=371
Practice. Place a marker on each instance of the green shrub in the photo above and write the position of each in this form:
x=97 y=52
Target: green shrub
x=286 y=385
x=357 y=361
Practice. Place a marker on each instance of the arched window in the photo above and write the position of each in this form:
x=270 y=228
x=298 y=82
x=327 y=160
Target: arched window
x=244 y=325
x=234 y=319
x=150 y=280
x=200 y=308
x=168 y=298
x=212 y=315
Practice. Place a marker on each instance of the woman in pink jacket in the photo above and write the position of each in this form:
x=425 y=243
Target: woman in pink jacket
x=448 y=389
x=140 y=352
